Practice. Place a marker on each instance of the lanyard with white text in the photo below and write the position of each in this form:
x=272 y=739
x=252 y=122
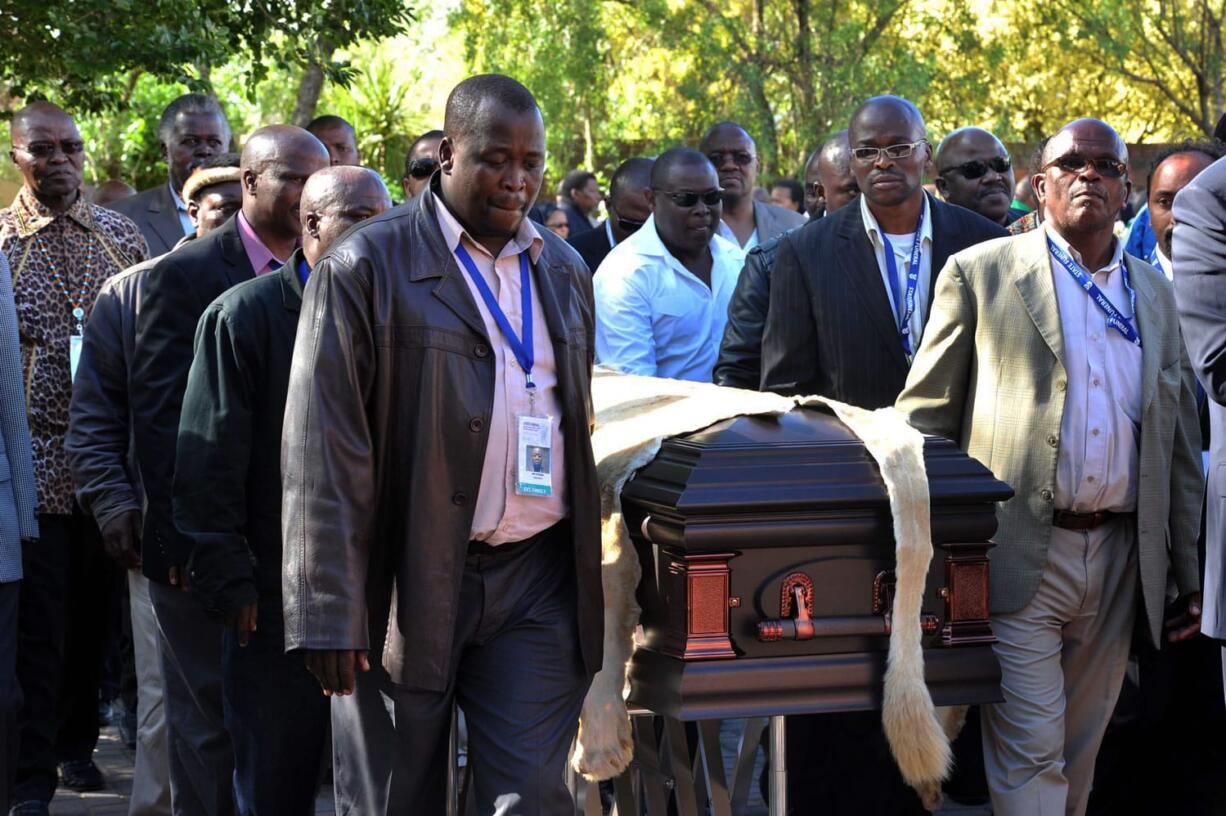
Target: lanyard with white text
x=904 y=305
x=1114 y=318
x=521 y=345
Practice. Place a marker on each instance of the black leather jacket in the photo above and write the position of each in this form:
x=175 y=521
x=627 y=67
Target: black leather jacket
x=740 y=354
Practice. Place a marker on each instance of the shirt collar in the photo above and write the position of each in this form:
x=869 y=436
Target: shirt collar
x=1117 y=255
x=526 y=237
x=647 y=243
x=608 y=231
x=31 y=215
x=257 y=253
x=873 y=229
x=177 y=198
x=1164 y=264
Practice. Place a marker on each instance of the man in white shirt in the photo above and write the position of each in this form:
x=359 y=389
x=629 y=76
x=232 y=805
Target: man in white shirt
x=1172 y=170
x=662 y=294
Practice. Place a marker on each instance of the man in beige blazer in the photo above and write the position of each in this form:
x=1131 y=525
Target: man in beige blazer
x=1056 y=360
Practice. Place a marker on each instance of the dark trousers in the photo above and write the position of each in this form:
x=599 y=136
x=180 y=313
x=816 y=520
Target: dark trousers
x=67 y=583
x=277 y=717
x=10 y=690
x=519 y=679
x=201 y=754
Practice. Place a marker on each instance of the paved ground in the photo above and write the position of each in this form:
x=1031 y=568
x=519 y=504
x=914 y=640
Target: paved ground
x=116 y=763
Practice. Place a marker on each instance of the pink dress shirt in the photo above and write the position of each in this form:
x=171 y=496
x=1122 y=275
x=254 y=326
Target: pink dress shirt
x=1096 y=466
x=501 y=516
x=261 y=257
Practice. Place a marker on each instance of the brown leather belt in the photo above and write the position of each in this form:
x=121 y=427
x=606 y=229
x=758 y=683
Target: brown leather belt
x=1081 y=522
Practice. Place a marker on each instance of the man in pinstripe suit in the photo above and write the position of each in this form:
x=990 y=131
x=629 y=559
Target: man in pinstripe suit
x=1056 y=360
x=18 y=522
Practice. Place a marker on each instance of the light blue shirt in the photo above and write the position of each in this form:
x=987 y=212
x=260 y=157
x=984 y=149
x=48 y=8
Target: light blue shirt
x=185 y=220
x=655 y=317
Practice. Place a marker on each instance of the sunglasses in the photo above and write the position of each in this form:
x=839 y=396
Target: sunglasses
x=868 y=155
x=422 y=168
x=45 y=150
x=685 y=198
x=740 y=158
x=978 y=169
x=1072 y=163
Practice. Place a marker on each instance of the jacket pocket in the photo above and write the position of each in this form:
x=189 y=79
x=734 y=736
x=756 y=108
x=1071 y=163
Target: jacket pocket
x=412 y=337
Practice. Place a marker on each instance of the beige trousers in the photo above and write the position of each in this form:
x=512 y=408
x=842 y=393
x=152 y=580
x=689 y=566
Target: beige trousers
x=1062 y=661
x=151 y=776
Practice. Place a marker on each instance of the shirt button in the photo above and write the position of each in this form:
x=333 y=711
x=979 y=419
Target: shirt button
x=1045 y=495
x=459 y=499
x=481 y=350
x=476 y=424
x=1095 y=432
x=1094 y=337
x=1097 y=382
x=1061 y=385
x=1090 y=479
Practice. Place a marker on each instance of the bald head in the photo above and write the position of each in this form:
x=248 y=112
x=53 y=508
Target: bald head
x=628 y=204
x=732 y=151
x=672 y=160
x=333 y=200
x=973 y=171
x=829 y=182
x=901 y=115
x=49 y=153
x=276 y=162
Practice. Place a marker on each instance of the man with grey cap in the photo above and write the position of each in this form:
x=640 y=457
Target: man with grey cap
x=275 y=163
x=227 y=500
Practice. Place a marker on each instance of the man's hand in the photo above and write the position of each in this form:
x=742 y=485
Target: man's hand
x=1185 y=624
x=178 y=578
x=337 y=669
x=121 y=538
x=242 y=622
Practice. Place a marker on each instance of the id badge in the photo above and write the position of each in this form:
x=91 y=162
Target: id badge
x=75 y=342
x=534 y=455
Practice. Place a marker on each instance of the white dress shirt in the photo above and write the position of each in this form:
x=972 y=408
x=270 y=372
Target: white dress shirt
x=900 y=246
x=1164 y=265
x=655 y=317
x=728 y=235
x=1096 y=465
x=500 y=515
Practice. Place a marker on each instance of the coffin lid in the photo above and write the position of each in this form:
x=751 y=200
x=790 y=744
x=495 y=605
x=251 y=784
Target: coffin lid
x=803 y=461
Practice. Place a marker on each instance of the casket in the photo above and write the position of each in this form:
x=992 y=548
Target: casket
x=767 y=550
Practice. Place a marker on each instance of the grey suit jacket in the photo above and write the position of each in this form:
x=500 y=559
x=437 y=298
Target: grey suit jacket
x=990 y=374
x=771 y=220
x=154 y=211
x=17 y=493
x=1200 y=291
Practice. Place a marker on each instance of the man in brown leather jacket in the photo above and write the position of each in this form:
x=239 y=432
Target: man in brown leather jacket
x=440 y=342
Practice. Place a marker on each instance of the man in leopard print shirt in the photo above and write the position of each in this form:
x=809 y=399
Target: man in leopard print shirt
x=61 y=249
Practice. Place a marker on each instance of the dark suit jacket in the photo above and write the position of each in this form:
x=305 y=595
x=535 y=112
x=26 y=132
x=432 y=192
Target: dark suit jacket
x=390 y=401
x=1199 y=259
x=829 y=328
x=155 y=213
x=179 y=288
x=227 y=485
x=577 y=220
x=592 y=246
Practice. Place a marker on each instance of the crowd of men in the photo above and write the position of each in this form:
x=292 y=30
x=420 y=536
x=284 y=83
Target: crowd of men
x=337 y=452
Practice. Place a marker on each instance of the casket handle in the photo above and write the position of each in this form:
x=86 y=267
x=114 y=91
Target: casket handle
x=797 y=621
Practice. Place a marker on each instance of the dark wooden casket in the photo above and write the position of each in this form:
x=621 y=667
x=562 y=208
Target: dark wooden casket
x=767 y=549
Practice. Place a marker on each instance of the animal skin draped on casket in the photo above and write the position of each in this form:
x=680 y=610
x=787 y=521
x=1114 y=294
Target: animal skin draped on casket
x=781 y=557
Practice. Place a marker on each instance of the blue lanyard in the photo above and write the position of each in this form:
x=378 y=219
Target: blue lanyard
x=904 y=305
x=1114 y=319
x=522 y=348
x=304 y=271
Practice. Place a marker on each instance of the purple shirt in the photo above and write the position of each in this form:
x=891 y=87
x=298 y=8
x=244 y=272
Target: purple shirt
x=261 y=257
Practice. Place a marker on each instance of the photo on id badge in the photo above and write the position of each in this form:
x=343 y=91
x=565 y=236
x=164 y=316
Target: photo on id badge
x=535 y=466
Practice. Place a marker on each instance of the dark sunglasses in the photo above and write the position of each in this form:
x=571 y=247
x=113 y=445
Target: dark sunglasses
x=978 y=169
x=422 y=168
x=686 y=198
x=628 y=224
x=740 y=158
x=1072 y=163
x=45 y=150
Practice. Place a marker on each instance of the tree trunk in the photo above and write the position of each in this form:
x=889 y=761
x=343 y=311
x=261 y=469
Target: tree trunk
x=311 y=86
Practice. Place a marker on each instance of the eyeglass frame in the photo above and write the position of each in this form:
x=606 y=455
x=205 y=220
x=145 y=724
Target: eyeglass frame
x=987 y=165
x=47 y=149
x=878 y=151
x=716 y=191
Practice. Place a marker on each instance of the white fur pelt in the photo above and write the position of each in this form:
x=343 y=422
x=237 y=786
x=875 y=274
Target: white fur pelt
x=633 y=417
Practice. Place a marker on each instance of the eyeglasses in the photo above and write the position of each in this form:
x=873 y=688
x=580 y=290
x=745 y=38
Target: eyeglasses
x=978 y=169
x=422 y=168
x=686 y=198
x=740 y=158
x=628 y=224
x=1073 y=163
x=868 y=155
x=45 y=150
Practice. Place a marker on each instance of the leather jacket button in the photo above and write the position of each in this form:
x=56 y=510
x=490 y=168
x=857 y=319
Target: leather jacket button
x=476 y=424
x=481 y=350
x=459 y=499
